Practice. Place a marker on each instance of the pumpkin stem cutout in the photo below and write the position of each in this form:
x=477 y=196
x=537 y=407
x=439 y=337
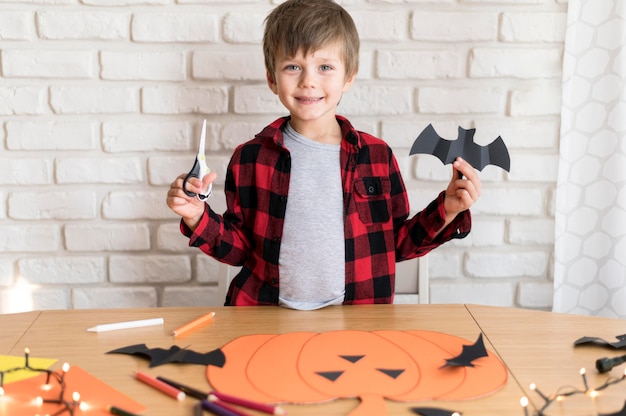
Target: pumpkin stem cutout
x=371 y=404
x=311 y=367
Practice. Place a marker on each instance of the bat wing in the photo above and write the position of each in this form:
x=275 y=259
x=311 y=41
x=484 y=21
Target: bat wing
x=468 y=354
x=621 y=343
x=495 y=153
x=429 y=142
x=590 y=340
x=215 y=357
x=137 y=349
x=175 y=354
x=498 y=155
x=432 y=411
x=599 y=341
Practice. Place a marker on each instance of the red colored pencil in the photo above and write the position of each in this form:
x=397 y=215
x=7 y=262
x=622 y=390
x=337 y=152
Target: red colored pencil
x=261 y=407
x=159 y=385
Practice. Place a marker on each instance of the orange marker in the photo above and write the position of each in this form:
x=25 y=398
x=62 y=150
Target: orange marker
x=161 y=386
x=194 y=324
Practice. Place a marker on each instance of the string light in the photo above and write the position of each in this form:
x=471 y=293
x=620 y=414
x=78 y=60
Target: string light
x=524 y=402
x=584 y=376
x=534 y=388
x=560 y=395
x=58 y=376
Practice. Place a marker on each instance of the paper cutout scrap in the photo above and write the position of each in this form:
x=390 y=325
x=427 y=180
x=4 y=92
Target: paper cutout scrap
x=175 y=354
x=19 y=397
x=599 y=341
x=469 y=354
x=310 y=367
x=618 y=413
x=433 y=411
x=8 y=362
x=495 y=153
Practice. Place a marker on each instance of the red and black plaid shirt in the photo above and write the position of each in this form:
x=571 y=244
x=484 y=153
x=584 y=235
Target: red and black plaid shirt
x=377 y=229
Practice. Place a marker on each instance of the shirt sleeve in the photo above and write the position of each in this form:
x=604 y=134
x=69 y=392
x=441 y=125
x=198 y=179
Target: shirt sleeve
x=418 y=235
x=217 y=238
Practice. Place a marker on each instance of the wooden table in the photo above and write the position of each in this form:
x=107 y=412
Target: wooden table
x=536 y=347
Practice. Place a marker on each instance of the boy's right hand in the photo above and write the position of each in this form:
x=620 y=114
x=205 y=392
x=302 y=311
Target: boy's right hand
x=189 y=208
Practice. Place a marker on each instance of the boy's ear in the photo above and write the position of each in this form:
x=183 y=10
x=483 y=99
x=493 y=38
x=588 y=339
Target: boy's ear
x=271 y=82
x=349 y=81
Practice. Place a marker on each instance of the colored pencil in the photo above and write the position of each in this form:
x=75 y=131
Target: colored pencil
x=189 y=391
x=216 y=409
x=126 y=325
x=230 y=408
x=159 y=385
x=261 y=407
x=193 y=324
x=119 y=412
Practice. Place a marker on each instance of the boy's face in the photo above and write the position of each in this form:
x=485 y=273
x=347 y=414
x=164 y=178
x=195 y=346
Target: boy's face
x=311 y=86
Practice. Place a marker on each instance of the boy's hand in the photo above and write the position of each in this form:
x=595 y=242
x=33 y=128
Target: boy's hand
x=461 y=193
x=189 y=208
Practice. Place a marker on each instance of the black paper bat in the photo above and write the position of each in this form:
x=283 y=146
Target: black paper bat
x=468 y=354
x=599 y=341
x=495 y=153
x=618 y=413
x=175 y=354
x=433 y=411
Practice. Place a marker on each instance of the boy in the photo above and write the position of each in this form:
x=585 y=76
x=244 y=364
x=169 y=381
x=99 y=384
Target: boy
x=317 y=211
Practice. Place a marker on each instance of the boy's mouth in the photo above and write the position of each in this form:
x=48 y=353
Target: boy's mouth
x=309 y=100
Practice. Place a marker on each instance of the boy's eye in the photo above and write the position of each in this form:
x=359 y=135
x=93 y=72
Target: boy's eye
x=326 y=67
x=292 y=67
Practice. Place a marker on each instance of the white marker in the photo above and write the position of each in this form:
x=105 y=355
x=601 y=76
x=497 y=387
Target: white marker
x=125 y=325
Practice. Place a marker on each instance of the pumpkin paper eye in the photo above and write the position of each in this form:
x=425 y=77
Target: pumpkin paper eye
x=330 y=375
x=391 y=373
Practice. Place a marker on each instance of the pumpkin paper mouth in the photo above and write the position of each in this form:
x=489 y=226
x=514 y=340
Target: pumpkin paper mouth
x=312 y=367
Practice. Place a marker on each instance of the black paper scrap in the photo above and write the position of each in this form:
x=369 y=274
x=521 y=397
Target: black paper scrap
x=494 y=153
x=618 y=413
x=175 y=354
x=433 y=411
x=468 y=354
x=599 y=341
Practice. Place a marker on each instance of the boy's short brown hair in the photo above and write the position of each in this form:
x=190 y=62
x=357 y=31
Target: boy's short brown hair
x=308 y=25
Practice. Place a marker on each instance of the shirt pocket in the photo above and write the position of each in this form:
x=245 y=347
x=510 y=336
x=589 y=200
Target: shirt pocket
x=372 y=199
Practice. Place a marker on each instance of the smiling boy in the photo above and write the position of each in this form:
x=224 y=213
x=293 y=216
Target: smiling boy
x=317 y=212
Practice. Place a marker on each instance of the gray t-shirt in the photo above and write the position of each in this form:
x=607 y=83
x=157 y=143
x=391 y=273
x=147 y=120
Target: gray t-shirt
x=312 y=250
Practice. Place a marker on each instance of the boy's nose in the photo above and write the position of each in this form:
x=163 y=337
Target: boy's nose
x=307 y=79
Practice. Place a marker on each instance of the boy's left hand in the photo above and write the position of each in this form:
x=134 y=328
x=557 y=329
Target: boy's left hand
x=461 y=193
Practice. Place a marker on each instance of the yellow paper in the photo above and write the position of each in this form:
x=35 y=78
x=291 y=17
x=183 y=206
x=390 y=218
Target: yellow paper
x=8 y=362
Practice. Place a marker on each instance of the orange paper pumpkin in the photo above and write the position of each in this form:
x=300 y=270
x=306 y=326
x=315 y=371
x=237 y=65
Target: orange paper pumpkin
x=309 y=367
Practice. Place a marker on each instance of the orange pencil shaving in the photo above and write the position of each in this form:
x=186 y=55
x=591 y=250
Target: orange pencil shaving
x=194 y=324
x=214 y=396
x=159 y=385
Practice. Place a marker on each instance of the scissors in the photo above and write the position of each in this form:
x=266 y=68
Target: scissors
x=199 y=169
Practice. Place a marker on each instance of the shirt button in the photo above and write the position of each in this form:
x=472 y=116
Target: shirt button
x=277 y=239
x=370 y=190
x=283 y=198
x=274 y=281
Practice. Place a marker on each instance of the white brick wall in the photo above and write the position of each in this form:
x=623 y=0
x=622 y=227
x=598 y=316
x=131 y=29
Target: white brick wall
x=101 y=103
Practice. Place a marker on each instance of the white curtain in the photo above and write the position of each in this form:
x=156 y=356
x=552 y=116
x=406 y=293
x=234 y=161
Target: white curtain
x=590 y=215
